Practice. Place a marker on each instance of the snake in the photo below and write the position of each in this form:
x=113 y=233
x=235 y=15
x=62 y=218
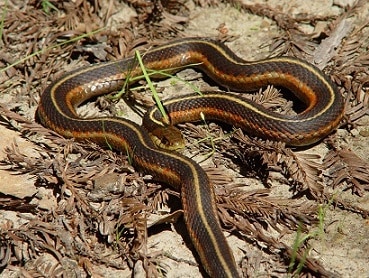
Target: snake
x=324 y=109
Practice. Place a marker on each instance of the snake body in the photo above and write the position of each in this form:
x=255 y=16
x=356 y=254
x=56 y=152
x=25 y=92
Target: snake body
x=324 y=111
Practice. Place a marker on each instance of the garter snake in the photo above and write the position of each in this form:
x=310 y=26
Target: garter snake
x=324 y=111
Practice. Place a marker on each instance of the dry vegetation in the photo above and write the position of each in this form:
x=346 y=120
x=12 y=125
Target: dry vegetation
x=102 y=204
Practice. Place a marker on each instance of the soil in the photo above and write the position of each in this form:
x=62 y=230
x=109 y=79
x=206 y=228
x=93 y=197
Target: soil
x=341 y=246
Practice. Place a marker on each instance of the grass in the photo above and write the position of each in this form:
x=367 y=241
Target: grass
x=300 y=240
x=47 y=6
x=152 y=89
x=49 y=48
x=146 y=74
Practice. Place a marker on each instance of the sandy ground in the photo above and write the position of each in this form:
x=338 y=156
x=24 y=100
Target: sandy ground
x=344 y=246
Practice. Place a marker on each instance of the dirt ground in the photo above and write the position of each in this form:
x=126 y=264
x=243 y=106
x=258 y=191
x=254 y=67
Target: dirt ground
x=35 y=174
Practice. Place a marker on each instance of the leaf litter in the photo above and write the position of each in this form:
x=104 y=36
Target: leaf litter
x=103 y=207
